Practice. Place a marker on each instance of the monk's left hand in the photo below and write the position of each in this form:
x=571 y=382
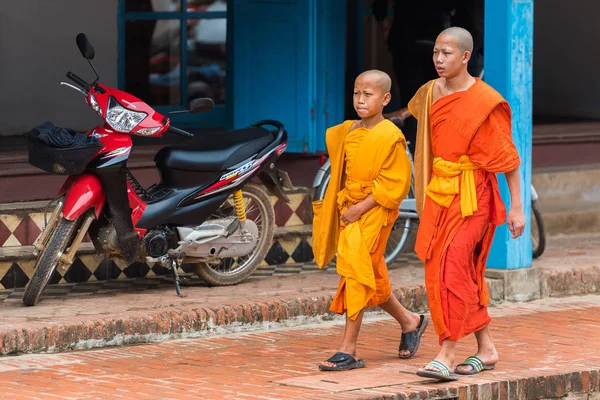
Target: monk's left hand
x=352 y=214
x=516 y=221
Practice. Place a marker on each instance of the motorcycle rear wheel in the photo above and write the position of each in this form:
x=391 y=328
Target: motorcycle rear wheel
x=48 y=260
x=231 y=271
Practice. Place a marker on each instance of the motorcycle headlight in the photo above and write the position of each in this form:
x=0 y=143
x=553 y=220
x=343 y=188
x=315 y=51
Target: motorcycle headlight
x=94 y=104
x=122 y=119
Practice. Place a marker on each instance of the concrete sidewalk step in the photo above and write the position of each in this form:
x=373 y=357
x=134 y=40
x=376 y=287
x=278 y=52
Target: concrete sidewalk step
x=547 y=351
x=569 y=199
x=573 y=221
x=80 y=318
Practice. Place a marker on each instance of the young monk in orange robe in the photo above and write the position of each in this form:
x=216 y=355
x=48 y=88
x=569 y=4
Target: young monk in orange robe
x=370 y=166
x=463 y=140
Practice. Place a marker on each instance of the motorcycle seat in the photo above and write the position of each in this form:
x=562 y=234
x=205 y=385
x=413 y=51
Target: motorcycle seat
x=214 y=151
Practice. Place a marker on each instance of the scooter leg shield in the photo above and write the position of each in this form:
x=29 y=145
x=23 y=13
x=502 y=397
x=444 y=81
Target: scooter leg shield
x=85 y=192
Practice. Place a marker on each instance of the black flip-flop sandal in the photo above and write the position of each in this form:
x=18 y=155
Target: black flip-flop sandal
x=343 y=362
x=443 y=374
x=476 y=365
x=410 y=341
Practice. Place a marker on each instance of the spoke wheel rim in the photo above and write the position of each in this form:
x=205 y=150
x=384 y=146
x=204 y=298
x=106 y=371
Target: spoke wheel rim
x=399 y=235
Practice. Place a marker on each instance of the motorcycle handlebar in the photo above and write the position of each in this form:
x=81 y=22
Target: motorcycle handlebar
x=180 y=132
x=78 y=81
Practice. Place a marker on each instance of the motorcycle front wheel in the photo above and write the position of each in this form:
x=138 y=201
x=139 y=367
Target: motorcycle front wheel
x=48 y=260
x=230 y=271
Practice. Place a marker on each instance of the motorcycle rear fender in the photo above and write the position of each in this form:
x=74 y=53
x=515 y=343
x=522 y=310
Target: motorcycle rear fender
x=82 y=193
x=276 y=180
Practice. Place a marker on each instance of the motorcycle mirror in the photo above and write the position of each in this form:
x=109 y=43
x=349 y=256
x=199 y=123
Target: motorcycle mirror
x=201 y=105
x=85 y=47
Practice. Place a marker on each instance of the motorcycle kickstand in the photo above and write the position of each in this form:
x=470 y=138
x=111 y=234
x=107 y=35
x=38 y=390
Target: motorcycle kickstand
x=175 y=262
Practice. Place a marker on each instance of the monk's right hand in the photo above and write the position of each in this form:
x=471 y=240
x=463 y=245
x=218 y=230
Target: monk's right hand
x=516 y=221
x=352 y=214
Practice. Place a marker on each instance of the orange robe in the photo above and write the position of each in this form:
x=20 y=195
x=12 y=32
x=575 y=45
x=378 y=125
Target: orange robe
x=471 y=132
x=376 y=165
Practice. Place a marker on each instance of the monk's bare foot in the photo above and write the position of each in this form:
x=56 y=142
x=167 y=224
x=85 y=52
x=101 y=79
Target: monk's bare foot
x=327 y=364
x=333 y=365
x=344 y=349
x=414 y=324
x=444 y=358
x=487 y=356
x=415 y=319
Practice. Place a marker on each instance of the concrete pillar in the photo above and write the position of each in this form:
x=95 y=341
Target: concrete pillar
x=508 y=57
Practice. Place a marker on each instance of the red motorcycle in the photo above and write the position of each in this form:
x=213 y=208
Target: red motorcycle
x=197 y=214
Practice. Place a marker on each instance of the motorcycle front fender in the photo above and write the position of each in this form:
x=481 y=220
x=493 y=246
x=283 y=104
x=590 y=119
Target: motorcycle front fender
x=84 y=192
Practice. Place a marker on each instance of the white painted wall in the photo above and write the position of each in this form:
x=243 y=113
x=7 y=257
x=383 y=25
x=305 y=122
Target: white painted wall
x=566 y=82
x=37 y=48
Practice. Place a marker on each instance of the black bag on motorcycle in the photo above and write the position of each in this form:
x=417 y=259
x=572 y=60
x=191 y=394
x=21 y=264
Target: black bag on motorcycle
x=60 y=151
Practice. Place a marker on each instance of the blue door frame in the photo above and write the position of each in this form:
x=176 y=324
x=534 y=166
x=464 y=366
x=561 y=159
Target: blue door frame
x=508 y=58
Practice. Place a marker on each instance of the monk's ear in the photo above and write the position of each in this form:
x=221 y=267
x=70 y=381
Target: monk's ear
x=466 y=57
x=386 y=99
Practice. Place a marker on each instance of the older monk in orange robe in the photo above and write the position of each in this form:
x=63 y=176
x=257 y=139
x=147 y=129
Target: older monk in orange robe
x=370 y=176
x=463 y=140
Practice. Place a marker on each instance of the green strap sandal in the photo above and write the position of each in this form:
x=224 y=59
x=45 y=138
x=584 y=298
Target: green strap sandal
x=476 y=366
x=443 y=374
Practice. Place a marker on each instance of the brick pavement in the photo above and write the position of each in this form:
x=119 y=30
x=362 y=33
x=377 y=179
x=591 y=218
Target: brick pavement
x=106 y=318
x=548 y=349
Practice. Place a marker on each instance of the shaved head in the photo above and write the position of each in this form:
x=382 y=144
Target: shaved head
x=380 y=78
x=464 y=40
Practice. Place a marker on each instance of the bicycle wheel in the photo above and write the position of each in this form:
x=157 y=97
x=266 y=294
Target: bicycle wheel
x=538 y=232
x=320 y=190
x=399 y=235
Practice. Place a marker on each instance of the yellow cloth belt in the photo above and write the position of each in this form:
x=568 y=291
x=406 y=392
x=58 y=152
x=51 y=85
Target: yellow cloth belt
x=444 y=185
x=354 y=191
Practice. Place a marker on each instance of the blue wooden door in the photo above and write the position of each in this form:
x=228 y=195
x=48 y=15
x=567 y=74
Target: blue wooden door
x=273 y=53
x=282 y=66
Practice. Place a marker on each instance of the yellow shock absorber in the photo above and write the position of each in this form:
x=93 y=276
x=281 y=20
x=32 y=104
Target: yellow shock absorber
x=240 y=207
